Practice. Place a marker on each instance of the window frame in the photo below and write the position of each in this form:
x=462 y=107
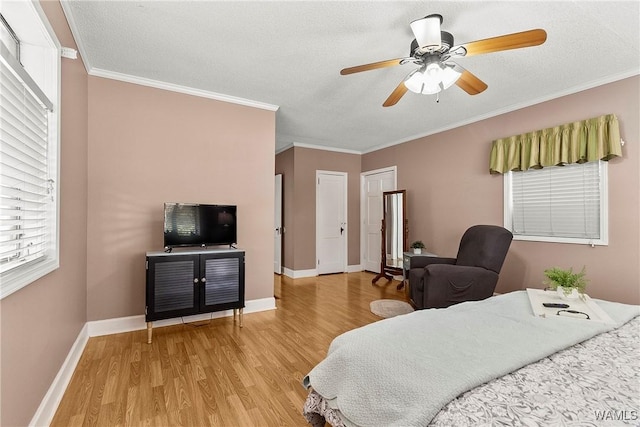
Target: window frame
x=40 y=56
x=604 y=212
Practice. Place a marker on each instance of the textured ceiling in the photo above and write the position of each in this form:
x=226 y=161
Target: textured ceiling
x=289 y=54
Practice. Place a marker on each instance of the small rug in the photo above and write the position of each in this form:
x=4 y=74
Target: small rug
x=390 y=307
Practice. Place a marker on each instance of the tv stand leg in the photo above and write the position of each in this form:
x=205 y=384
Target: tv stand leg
x=149 y=331
x=235 y=312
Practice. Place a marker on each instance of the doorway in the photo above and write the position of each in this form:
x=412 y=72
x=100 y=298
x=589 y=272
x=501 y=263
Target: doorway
x=331 y=222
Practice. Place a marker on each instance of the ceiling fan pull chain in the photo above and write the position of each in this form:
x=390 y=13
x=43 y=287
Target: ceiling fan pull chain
x=438 y=98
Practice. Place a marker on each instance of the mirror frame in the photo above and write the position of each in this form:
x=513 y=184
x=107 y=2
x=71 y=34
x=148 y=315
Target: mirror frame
x=387 y=271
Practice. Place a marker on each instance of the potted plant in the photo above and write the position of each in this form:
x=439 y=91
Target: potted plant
x=417 y=246
x=567 y=283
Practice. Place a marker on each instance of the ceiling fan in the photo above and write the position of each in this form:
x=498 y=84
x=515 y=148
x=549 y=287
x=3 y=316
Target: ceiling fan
x=433 y=51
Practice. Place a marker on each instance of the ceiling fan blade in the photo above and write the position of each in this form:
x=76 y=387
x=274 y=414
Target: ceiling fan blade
x=470 y=83
x=506 y=42
x=396 y=95
x=372 y=66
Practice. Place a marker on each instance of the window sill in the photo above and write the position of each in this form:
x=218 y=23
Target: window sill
x=18 y=278
x=548 y=239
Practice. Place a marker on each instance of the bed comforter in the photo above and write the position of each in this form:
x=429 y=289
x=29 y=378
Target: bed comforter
x=403 y=371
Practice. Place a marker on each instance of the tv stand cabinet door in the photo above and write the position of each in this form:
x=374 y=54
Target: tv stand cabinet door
x=223 y=288
x=171 y=286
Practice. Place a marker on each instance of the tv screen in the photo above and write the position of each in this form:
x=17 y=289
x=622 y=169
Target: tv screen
x=190 y=224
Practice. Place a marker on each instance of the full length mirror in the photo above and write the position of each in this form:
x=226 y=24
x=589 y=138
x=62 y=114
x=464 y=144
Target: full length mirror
x=394 y=227
x=394 y=234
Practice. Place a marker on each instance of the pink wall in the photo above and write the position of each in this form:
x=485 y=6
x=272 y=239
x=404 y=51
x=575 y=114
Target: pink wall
x=449 y=188
x=301 y=221
x=149 y=146
x=41 y=321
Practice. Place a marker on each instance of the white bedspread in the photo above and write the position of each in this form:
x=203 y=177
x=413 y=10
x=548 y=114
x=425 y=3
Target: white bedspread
x=402 y=371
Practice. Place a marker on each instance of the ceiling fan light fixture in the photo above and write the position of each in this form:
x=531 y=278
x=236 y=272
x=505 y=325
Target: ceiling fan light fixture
x=430 y=88
x=427 y=32
x=449 y=76
x=432 y=78
x=419 y=81
x=433 y=72
x=413 y=82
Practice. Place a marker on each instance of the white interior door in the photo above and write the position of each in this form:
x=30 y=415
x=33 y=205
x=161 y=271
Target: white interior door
x=331 y=222
x=277 y=226
x=374 y=183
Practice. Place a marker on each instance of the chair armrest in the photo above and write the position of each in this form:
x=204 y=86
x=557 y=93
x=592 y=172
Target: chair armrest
x=445 y=285
x=423 y=261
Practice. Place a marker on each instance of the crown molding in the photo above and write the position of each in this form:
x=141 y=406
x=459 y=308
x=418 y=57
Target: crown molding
x=570 y=91
x=97 y=72
x=317 y=147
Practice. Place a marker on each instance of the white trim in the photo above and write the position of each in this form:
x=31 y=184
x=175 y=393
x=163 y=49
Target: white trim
x=393 y=169
x=316 y=147
x=354 y=268
x=49 y=404
x=181 y=89
x=363 y=176
x=298 y=274
x=69 y=53
x=325 y=148
x=508 y=109
x=98 y=328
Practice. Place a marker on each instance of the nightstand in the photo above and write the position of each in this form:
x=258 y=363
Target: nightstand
x=410 y=260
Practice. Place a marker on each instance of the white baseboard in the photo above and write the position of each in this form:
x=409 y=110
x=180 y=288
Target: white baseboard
x=354 y=268
x=135 y=323
x=47 y=409
x=298 y=274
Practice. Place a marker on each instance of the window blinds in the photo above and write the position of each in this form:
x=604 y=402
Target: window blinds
x=557 y=201
x=26 y=195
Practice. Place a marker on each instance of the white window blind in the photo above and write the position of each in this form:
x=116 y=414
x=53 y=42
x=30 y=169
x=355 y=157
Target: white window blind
x=25 y=185
x=561 y=203
x=29 y=146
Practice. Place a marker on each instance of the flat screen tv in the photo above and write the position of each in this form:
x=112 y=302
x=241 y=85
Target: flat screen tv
x=190 y=224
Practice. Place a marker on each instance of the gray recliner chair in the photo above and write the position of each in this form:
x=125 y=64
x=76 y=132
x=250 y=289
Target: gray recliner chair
x=440 y=282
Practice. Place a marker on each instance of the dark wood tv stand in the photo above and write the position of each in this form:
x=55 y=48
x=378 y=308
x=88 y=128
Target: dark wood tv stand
x=188 y=282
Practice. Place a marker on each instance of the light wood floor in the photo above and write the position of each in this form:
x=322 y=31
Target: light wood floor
x=217 y=374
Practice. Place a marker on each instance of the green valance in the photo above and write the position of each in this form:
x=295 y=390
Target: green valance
x=578 y=142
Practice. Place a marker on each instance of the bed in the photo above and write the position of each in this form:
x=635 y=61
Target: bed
x=488 y=362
